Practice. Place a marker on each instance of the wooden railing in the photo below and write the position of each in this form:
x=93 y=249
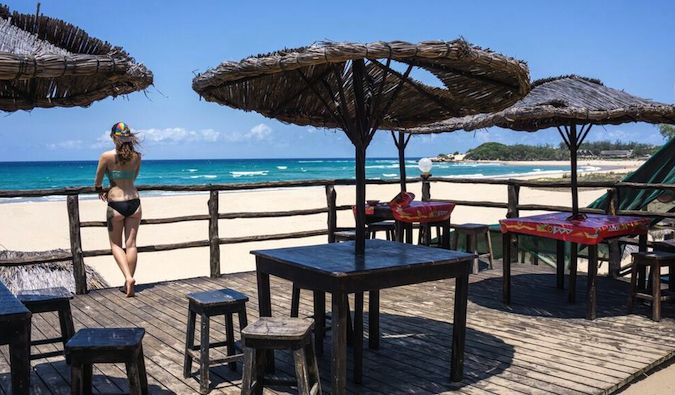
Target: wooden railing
x=214 y=241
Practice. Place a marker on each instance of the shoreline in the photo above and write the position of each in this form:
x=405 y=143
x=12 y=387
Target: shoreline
x=597 y=166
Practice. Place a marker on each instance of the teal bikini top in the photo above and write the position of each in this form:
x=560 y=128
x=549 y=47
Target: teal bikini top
x=121 y=175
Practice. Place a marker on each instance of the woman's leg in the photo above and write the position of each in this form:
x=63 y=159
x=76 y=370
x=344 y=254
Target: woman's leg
x=131 y=225
x=115 y=230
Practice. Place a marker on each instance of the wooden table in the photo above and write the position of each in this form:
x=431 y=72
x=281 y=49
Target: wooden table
x=336 y=269
x=591 y=231
x=15 y=325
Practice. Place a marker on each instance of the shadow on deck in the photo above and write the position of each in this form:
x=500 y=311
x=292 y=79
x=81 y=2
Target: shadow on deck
x=540 y=344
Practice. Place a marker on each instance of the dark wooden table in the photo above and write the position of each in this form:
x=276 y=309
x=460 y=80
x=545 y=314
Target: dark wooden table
x=336 y=269
x=591 y=231
x=15 y=321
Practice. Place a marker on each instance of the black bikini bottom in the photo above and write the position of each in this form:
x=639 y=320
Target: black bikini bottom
x=126 y=207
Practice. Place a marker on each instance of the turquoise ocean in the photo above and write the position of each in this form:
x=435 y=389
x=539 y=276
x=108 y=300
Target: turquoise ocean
x=43 y=175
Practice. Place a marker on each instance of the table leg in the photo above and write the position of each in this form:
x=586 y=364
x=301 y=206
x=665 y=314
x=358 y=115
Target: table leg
x=506 y=268
x=265 y=310
x=409 y=233
x=374 y=319
x=399 y=231
x=339 y=344
x=560 y=264
x=358 y=337
x=591 y=291
x=459 y=327
x=319 y=321
x=445 y=228
x=19 y=359
x=573 y=273
x=642 y=242
x=642 y=273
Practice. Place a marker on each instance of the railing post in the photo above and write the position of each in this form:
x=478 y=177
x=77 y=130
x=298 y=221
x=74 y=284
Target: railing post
x=512 y=212
x=426 y=188
x=214 y=240
x=614 y=265
x=331 y=198
x=79 y=272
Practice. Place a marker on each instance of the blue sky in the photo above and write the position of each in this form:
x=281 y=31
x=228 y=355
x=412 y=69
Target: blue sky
x=629 y=45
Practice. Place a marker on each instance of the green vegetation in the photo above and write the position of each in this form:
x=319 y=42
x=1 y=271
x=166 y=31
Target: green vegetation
x=498 y=151
x=667 y=131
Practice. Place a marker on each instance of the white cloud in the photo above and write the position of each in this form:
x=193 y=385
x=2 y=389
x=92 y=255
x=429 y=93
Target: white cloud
x=260 y=132
x=257 y=133
x=177 y=135
x=67 y=144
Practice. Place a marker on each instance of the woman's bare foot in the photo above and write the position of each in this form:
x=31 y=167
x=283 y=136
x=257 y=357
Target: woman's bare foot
x=129 y=285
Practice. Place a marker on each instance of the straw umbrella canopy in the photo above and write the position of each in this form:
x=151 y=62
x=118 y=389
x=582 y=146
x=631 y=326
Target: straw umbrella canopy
x=572 y=104
x=46 y=62
x=361 y=88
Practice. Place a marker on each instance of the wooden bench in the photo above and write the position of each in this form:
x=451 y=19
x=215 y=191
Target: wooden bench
x=15 y=326
x=106 y=345
x=50 y=300
x=207 y=304
x=279 y=334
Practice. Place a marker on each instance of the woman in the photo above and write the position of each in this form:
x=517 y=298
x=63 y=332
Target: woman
x=121 y=165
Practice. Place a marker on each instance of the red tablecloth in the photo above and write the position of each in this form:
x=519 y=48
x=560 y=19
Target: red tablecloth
x=423 y=212
x=592 y=230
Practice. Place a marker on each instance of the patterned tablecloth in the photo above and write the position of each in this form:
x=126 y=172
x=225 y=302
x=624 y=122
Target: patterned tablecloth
x=592 y=230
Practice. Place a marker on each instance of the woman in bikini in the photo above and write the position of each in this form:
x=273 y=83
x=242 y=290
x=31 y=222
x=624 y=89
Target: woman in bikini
x=121 y=165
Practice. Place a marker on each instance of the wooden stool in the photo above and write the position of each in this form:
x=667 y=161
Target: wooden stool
x=388 y=227
x=106 y=345
x=372 y=228
x=208 y=304
x=471 y=232
x=655 y=261
x=404 y=232
x=344 y=235
x=48 y=300
x=279 y=334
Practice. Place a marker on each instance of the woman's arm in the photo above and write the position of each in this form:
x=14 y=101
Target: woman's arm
x=98 y=181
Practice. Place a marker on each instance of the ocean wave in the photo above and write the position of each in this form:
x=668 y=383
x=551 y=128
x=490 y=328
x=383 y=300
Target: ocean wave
x=282 y=167
x=392 y=166
x=590 y=168
x=474 y=175
x=205 y=176
x=192 y=170
x=237 y=174
x=389 y=175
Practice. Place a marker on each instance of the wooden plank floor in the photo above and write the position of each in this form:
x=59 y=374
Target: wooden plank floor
x=538 y=345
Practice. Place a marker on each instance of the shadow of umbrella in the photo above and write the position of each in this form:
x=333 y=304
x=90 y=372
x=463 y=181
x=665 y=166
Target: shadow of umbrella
x=537 y=295
x=414 y=357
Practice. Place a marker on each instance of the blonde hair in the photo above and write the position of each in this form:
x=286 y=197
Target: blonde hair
x=126 y=151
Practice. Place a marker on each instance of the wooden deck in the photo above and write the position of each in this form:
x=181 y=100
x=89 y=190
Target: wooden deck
x=539 y=345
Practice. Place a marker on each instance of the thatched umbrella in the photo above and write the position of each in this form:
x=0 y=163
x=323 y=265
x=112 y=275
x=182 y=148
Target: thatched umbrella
x=44 y=275
x=572 y=104
x=46 y=62
x=355 y=87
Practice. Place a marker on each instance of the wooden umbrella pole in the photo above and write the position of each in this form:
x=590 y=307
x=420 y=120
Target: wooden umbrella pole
x=401 y=142
x=574 y=147
x=360 y=139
